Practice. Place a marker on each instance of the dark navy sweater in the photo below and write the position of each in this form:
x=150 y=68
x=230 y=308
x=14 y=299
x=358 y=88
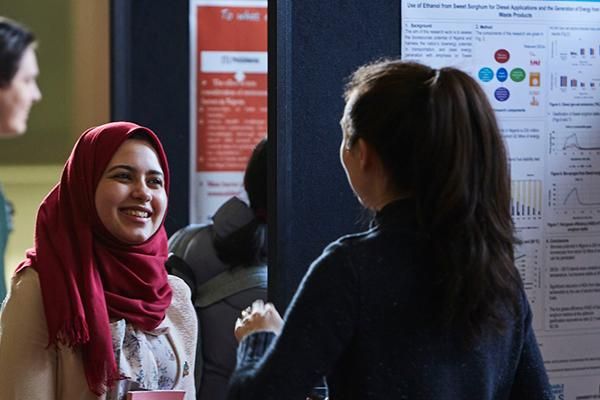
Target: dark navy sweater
x=359 y=318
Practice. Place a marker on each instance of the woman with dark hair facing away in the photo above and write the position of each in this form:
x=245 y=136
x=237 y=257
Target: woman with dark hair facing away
x=225 y=265
x=427 y=304
x=18 y=92
x=92 y=313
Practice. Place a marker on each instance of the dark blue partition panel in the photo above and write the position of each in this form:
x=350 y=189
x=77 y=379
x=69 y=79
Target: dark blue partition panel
x=313 y=46
x=317 y=44
x=150 y=83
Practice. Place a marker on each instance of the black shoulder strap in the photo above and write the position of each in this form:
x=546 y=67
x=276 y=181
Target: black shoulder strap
x=176 y=266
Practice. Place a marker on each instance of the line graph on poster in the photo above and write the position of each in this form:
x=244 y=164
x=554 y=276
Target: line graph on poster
x=575 y=142
x=575 y=195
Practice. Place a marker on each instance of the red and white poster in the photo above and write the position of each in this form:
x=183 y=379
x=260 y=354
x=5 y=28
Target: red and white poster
x=228 y=98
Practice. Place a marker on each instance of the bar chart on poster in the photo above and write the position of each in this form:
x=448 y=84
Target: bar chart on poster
x=539 y=64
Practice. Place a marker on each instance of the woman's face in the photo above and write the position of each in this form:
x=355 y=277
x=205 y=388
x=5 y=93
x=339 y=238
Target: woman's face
x=17 y=98
x=130 y=198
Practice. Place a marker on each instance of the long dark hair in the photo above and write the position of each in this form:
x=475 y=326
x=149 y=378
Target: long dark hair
x=437 y=136
x=255 y=180
x=14 y=40
x=247 y=245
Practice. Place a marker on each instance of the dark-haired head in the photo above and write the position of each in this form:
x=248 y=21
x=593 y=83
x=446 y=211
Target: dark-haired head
x=18 y=74
x=247 y=245
x=14 y=40
x=255 y=180
x=438 y=141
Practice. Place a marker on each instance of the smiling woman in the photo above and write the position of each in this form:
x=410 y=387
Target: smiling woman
x=92 y=312
x=130 y=198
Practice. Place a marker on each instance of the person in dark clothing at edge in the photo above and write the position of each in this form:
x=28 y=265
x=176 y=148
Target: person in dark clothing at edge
x=427 y=304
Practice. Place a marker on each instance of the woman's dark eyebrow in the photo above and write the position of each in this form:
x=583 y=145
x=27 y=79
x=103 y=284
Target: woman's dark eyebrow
x=121 y=166
x=155 y=172
x=131 y=169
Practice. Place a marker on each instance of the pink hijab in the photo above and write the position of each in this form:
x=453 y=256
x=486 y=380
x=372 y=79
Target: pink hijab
x=87 y=276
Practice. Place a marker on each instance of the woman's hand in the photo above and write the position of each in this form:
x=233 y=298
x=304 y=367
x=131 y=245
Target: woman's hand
x=258 y=317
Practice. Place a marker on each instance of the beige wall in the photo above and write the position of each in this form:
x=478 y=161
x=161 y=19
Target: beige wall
x=49 y=134
x=91 y=69
x=25 y=186
x=74 y=62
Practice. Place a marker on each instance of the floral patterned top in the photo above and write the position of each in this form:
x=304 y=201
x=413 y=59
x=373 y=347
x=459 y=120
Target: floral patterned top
x=146 y=359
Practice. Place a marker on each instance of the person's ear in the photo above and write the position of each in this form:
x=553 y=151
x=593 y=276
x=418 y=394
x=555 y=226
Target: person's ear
x=366 y=152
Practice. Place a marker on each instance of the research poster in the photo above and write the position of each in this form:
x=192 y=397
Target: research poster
x=228 y=104
x=539 y=63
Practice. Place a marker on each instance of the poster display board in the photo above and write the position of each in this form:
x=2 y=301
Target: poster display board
x=539 y=63
x=228 y=102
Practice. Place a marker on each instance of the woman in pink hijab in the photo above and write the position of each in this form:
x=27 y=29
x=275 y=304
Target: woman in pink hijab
x=92 y=312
